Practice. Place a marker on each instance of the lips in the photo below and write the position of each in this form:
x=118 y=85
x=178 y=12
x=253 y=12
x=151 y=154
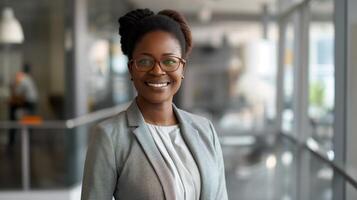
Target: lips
x=155 y=84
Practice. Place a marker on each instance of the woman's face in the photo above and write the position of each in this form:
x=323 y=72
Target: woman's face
x=156 y=86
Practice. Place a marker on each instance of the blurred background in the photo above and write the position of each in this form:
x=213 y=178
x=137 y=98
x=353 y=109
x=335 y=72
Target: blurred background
x=276 y=77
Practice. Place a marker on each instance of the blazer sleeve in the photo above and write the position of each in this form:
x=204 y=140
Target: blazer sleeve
x=222 y=190
x=100 y=174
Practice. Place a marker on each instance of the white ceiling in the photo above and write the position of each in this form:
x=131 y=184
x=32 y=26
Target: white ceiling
x=217 y=6
x=234 y=30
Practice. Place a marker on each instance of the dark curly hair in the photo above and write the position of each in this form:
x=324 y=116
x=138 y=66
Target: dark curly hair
x=135 y=24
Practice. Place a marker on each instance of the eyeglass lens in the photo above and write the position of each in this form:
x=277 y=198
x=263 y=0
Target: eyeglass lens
x=167 y=63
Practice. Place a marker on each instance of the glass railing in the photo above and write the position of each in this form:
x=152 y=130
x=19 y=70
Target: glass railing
x=327 y=156
x=283 y=169
x=37 y=155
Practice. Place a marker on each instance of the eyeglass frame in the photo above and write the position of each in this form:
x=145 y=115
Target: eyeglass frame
x=182 y=61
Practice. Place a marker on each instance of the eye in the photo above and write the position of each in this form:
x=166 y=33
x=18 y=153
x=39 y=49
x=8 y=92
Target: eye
x=169 y=62
x=145 y=62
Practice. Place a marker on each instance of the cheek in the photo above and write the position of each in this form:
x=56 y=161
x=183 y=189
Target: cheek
x=136 y=80
x=180 y=72
x=178 y=79
x=135 y=75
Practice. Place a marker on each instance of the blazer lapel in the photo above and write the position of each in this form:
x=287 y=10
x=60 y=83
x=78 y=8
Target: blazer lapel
x=194 y=144
x=135 y=119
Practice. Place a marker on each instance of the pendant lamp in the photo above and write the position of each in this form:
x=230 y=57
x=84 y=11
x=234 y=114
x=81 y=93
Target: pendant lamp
x=10 y=28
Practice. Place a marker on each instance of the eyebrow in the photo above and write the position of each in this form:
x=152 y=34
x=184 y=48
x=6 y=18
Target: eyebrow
x=165 y=54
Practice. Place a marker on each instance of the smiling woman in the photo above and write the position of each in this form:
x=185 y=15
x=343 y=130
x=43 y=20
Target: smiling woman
x=157 y=86
x=154 y=150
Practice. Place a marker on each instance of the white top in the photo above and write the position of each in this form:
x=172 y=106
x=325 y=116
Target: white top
x=179 y=161
x=27 y=89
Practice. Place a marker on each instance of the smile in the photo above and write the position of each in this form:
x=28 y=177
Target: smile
x=157 y=85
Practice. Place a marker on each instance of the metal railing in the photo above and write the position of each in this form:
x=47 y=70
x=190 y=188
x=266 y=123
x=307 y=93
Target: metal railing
x=323 y=157
x=53 y=124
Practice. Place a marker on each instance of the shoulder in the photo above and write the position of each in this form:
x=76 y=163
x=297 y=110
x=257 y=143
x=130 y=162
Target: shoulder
x=113 y=133
x=27 y=79
x=204 y=128
x=197 y=119
x=200 y=123
x=112 y=127
x=111 y=122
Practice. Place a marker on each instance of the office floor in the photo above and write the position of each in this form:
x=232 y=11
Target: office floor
x=47 y=161
x=271 y=172
x=255 y=173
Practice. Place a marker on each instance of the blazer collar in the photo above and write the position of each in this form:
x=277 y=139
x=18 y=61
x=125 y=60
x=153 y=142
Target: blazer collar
x=136 y=120
x=191 y=136
x=196 y=146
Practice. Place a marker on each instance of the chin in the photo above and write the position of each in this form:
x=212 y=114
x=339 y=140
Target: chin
x=157 y=99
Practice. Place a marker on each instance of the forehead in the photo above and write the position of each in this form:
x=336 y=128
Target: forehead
x=157 y=43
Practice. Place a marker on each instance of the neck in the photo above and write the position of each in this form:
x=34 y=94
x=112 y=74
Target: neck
x=158 y=114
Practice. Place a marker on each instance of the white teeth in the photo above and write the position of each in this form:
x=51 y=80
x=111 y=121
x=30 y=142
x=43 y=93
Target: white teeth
x=158 y=85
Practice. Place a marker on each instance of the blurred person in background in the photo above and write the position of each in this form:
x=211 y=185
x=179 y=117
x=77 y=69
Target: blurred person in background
x=23 y=98
x=154 y=150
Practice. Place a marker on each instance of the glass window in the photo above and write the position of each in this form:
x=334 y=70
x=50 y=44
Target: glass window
x=108 y=82
x=231 y=77
x=288 y=62
x=321 y=73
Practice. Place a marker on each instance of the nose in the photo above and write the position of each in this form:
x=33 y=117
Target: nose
x=157 y=70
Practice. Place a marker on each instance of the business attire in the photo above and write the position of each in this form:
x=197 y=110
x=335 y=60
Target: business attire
x=125 y=160
x=179 y=161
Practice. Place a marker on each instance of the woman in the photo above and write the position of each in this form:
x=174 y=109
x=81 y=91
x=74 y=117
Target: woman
x=153 y=150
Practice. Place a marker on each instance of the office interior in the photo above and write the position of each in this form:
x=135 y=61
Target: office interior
x=276 y=78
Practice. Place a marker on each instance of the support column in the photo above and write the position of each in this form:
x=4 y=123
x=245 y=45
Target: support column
x=339 y=137
x=351 y=94
x=75 y=86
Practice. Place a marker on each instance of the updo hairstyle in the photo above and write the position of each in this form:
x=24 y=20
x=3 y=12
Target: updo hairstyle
x=135 y=24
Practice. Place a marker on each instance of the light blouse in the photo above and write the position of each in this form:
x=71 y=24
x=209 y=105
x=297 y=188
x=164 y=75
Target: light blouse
x=179 y=161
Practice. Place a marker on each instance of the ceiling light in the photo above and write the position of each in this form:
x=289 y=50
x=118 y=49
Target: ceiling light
x=271 y=162
x=10 y=28
x=205 y=14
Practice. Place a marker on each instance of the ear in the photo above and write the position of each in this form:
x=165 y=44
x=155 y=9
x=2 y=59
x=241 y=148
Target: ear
x=129 y=65
x=130 y=68
x=183 y=69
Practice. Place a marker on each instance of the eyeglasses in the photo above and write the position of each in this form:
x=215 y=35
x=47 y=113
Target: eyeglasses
x=146 y=63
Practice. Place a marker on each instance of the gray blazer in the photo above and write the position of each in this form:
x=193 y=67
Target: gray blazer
x=123 y=160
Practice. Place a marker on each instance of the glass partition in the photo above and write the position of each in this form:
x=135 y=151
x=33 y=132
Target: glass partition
x=320 y=179
x=10 y=159
x=289 y=71
x=108 y=81
x=321 y=74
x=230 y=77
x=278 y=170
x=55 y=157
x=351 y=192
